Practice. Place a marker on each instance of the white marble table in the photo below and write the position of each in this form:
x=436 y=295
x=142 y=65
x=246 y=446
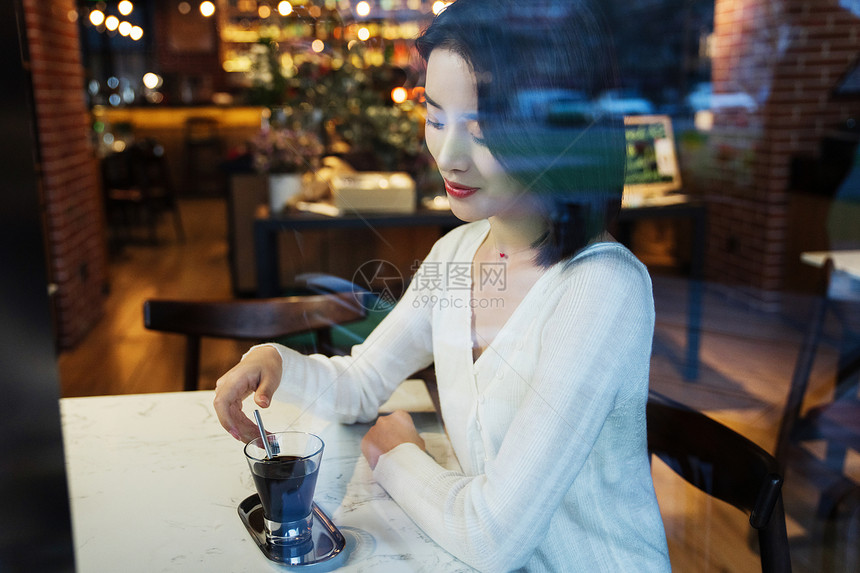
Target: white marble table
x=155 y=482
x=846 y=261
x=845 y=280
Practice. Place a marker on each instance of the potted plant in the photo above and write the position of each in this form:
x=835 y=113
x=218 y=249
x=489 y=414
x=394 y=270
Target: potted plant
x=285 y=153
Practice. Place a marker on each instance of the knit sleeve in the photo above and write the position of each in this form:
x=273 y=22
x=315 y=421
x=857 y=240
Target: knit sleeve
x=351 y=388
x=592 y=342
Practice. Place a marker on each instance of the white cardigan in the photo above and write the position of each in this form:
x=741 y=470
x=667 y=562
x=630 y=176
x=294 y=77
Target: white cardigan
x=548 y=424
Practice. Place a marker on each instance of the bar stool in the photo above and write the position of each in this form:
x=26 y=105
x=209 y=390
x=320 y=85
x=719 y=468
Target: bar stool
x=204 y=152
x=137 y=191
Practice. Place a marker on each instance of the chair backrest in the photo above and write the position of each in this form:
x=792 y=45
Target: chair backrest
x=201 y=128
x=142 y=166
x=803 y=365
x=725 y=465
x=118 y=171
x=256 y=319
x=842 y=534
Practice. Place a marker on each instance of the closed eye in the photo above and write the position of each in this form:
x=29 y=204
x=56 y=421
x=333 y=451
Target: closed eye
x=475 y=132
x=434 y=124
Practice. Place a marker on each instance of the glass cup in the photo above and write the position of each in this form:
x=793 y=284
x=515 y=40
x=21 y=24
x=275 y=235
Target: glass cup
x=286 y=483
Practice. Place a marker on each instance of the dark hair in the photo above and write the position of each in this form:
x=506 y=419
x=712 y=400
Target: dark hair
x=531 y=60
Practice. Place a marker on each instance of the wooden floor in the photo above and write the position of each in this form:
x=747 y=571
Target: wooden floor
x=746 y=363
x=119 y=356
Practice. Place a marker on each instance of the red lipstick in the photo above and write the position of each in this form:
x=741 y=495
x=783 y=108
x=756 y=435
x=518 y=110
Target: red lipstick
x=458 y=191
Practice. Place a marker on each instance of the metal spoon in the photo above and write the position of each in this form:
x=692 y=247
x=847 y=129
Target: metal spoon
x=263 y=436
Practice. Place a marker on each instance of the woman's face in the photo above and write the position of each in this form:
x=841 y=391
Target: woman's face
x=477 y=185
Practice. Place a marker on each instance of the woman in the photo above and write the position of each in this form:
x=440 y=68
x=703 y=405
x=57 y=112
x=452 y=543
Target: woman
x=538 y=323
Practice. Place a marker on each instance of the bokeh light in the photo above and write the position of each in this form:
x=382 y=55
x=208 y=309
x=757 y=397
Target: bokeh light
x=151 y=80
x=207 y=8
x=439 y=6
x=97 y=17
x=399 y=95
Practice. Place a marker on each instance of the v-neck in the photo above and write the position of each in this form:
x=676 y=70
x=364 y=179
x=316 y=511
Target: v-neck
x=469 y=311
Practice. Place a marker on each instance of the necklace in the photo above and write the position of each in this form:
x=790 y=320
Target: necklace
x=509 y=254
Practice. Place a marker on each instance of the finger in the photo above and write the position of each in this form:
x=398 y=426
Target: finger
x=370 y=449
x=270 y=377
x=247 y=429
x=403 y=418
x=242 y=428
x=230 y=392
x=265 y=391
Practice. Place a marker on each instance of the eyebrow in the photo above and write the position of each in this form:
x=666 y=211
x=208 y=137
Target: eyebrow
x=429 y=100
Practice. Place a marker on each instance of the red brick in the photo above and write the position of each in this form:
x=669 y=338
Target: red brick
x=68 y=172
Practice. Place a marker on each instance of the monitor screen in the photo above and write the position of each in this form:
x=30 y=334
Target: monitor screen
x=652 y=164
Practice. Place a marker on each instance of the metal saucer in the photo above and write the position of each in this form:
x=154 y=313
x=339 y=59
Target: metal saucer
x=326 y=540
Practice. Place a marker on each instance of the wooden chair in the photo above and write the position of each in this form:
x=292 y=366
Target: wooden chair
x=842 y=534
x=325 y=283
x=835 y=421
x=137 y=189
x=262 y=319
x=204 y=153
x=121 y=195
x=157 y=184
x=725 y=465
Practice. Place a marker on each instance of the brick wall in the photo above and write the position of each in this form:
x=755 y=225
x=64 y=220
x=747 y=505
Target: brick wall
x=187 y=54
x=70 y=187
x=787 y=54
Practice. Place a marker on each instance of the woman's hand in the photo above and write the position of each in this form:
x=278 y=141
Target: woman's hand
x=259 y=373
x=387 y=433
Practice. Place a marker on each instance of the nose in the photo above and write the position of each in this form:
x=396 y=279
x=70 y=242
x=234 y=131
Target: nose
x=452 y=150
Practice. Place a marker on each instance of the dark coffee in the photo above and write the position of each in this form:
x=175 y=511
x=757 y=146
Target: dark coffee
x=286 y=486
